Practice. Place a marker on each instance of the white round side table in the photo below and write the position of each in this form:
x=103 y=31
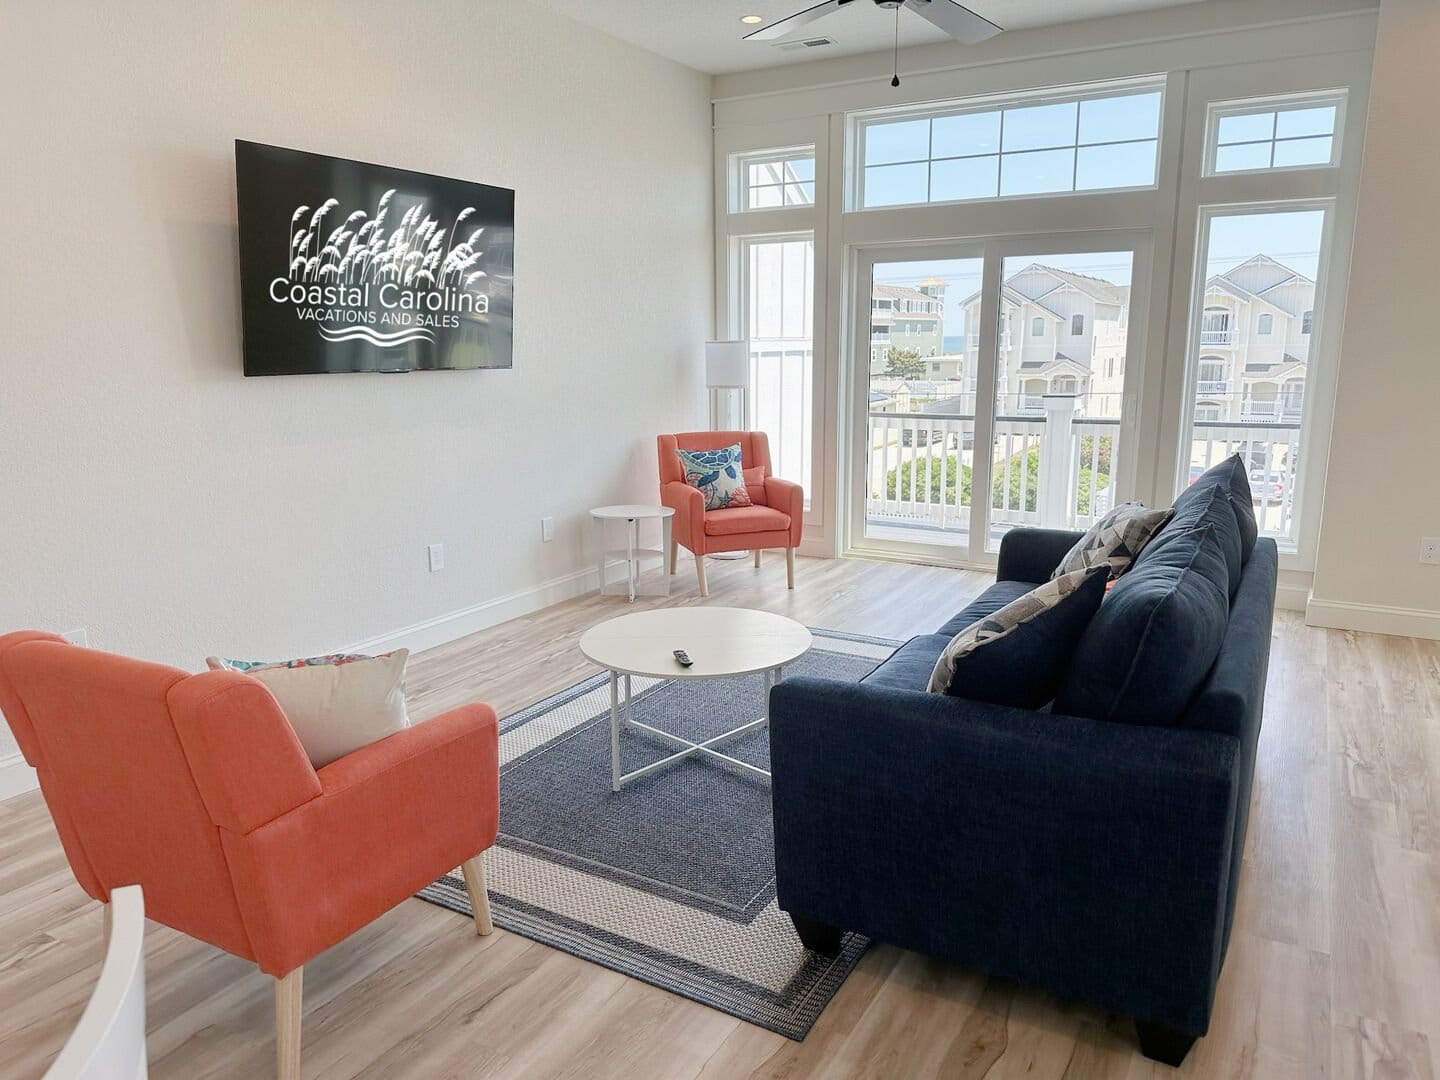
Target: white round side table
x=632 y=514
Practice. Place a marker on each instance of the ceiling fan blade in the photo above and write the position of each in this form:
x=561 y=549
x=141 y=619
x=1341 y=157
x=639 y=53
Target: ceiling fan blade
x=796 y=21
x=958 y=21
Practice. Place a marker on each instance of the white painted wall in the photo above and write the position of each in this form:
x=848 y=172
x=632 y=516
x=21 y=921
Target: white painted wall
x=152 y=494
x=1382 y=493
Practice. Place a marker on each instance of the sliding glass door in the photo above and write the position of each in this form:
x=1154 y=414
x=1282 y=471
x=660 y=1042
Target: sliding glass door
x=992 y=388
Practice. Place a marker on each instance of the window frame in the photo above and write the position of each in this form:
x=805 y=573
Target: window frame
x=857 y=124
x=1216 y=111
x=739 y=187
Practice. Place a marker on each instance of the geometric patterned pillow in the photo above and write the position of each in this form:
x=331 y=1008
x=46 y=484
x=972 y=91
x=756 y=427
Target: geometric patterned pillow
x=1117 y=538
x=719 y=474
x=1038 y=602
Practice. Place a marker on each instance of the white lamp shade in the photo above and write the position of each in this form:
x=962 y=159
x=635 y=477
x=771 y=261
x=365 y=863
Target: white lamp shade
x=727 y=364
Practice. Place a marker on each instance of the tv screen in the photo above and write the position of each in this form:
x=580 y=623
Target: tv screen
x=346 y=266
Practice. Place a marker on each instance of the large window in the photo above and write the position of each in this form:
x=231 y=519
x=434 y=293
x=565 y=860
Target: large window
x=1250 y=400
x=779 y=318
x=1275 y=133
x=1071 y=141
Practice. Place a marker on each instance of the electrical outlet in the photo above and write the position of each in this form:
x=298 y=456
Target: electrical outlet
x=437 y=558
x=547 y=529
x=77 y=637
x=1430 y=550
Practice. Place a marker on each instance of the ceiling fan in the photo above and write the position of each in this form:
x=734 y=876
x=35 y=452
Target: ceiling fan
x=958 y=21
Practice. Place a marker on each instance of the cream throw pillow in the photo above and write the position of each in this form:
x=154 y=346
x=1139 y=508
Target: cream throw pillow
x=337 y=708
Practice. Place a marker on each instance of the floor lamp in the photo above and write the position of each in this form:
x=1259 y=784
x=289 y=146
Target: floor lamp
x=727 y=370
x=727 y=375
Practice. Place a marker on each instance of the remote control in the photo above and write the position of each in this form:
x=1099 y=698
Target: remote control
x=683 y=658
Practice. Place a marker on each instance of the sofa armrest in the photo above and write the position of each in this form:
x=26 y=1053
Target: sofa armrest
x=787 y=497
x=1033 y=554
x=391 y=818
x=689 y=506
x=1089 y=857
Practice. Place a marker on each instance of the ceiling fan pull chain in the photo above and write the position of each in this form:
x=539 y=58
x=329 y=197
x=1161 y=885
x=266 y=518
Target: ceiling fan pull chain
x=895 y=79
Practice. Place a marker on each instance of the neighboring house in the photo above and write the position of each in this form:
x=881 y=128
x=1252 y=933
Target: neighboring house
x=1254 y=343
x=906 y=318
x=1060 y=333
x=1063 y=332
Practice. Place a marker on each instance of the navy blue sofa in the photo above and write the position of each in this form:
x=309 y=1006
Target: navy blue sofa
x=1094 y=858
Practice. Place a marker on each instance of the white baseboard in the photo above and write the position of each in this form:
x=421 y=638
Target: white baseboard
x=457 y=624
x=16 y=777
x=1291 y=596
x=1373 y=618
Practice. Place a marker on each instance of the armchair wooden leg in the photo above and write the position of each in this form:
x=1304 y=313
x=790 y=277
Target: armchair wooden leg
x=674 y=552
x=474 y=871
x=289 y=998
x=789 y=568
x=757 y=558
x=700 y=573
x=108 y=925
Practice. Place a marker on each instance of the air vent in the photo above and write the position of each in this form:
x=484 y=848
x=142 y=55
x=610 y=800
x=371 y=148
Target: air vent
x=808 y=43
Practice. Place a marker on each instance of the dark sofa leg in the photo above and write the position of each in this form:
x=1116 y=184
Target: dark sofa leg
x=817 y=936
x=1163 y=1044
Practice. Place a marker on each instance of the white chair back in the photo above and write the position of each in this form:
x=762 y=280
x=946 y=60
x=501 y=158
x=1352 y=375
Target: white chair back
x=109 y=1041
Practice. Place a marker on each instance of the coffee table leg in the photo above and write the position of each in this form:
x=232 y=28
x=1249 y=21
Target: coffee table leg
x=614 y=731
x=629 y=705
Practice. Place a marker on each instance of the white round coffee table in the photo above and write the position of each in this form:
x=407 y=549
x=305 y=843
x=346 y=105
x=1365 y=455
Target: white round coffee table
x=722 y=642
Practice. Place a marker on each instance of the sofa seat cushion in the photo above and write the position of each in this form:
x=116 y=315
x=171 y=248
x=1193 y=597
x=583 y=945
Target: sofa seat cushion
x=745 y=519
x=987 y=603
x=909 y=666
x=1213 y=505
x=1018 y=655
x=1230 y=476
x=1151 y=645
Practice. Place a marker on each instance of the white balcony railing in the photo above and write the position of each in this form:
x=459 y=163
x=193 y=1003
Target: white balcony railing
x=1217 y=337
x=972 y=341
x=1272 y=450
x=921 y=465
x=1211 y=387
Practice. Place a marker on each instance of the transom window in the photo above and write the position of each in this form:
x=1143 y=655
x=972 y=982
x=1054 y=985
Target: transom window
x=774 y=178
x=1066 y=141
x=1300 y=132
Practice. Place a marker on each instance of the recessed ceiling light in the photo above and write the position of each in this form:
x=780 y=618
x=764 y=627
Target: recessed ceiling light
x=751 y=20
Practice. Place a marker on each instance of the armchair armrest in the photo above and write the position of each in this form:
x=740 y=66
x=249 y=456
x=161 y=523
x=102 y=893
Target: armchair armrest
x=689 y=506
x=1089 y=857
x=391 y=818
x=1033 y=554
x=789 y=498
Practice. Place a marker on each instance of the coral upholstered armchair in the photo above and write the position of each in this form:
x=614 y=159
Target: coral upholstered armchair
x=196 y=788
x=773 y=522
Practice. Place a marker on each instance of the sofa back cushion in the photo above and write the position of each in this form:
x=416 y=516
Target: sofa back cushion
x=1212 y=506
x=1017 y=655
x=1153 y=641
x=1230 y=476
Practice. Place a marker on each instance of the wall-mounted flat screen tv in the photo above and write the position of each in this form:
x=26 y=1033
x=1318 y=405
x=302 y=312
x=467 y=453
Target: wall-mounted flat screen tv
x=346 y=266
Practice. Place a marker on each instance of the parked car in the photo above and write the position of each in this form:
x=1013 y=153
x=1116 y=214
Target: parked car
x=1270 y=485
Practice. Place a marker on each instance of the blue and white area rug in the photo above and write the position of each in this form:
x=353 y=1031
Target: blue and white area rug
x=672 y=880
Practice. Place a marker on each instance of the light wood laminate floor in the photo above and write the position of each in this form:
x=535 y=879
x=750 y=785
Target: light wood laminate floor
x=1333 y=971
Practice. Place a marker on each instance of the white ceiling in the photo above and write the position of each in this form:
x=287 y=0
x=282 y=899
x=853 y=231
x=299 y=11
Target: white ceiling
x=707 y=34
